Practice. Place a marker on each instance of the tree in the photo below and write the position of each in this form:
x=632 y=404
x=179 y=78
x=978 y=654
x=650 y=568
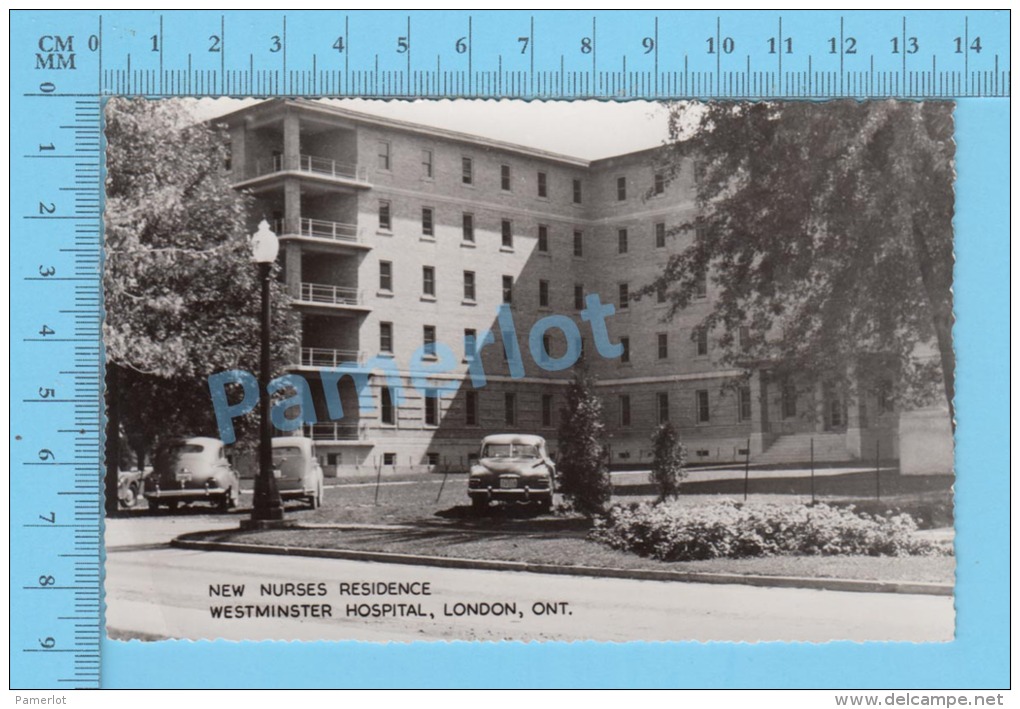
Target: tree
x=669 y=456
x=827 y=231
x=181 y=293
x=583 y=454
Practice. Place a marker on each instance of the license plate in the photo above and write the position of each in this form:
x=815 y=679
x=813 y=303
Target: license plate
x=506 y=483
x=183 y=477
x=277 y=472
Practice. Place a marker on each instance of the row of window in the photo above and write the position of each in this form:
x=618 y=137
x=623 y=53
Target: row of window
x=467 y=172
x=702 y=407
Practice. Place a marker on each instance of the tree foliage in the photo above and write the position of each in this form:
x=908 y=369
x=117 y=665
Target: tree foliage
x=181 y=294
x=583 y=465
x=827 y=232
x=669 y=456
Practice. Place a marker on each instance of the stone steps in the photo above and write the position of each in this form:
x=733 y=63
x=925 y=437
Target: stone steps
x=796 y=448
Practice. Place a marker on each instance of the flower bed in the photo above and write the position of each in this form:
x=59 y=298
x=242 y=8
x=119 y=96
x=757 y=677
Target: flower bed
x=674 y=532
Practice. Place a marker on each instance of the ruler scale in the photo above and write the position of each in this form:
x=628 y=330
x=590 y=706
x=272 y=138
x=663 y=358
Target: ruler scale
x=64 y=64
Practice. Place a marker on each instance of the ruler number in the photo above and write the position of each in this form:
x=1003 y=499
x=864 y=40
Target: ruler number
x=338 y=45
x=975 y=46
x=524 y=43
x=47 y=330
x=275 y=45
x=46 y=454
x=47 y=643
x=727 y=44
x=46 y=393
x=911 y=46
x=47 y=271
x=47 y=209
x=215 y=43
x=787 y=43
x=93 y=43
x=586 y=45
x=849 y=45
x=46 y=580
x=461 y=45
x=52 y=519
x=649 y=44
x=155 y=42
x=402 y=45
x=49 y=146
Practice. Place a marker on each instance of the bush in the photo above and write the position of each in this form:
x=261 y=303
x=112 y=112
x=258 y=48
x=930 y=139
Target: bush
x=583 y=457
x=670 y=531
x=669 y=456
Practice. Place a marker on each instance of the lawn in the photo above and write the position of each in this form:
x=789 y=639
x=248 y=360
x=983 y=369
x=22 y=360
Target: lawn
x=426 y=517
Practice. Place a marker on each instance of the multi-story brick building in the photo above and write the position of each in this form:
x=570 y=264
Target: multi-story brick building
x=396 y=235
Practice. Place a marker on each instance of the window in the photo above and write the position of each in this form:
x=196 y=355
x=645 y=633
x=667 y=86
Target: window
x=701 y=287
x=744 y=337
x=431 y=408
x=510 y=408
x=469 y=285
x=577 y=191
x=468 y=227
x=621 y=241
x=508 y=289
x=701 y=232
x=427 y=226
x=886 y=404
x=660 y=235
x=698 y=170
x=744 y=404
x=504 y=177
x=429 y=339
x=428 y=280
x=426 y=164
x=662 y=406
x=389 y=458
x=507 y=229
x=663 y=345
x=543 y=238
x=470 y=343
x=543 y=294
x=701 y=401
x=386 y=276
x=384 y=215
x=384 y=155
x=387 y=413
x=660 y=295
x=466 y=171
x=546 y=347
x=621 y=188
x=624 y=296
x=578 y=243
x=578 y=296
x=228 y=156
x=660 y=183
x=789 y=400
x=547 y=409
x=543 y=187
x=432 y=459
x=625 y=410
x=625 y=356
x=386 y=337
x=701 y=338
x=471 y=408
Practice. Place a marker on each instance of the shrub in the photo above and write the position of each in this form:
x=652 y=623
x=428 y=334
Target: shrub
x=670 y=531
x=669 y=456
x=583 y=457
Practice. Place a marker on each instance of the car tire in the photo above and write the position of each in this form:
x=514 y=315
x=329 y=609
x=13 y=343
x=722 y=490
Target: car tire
x=544 y=504
x=315 y=500
x=130 y=496
x=172 y=505
x=480 y=505
x=153 y=506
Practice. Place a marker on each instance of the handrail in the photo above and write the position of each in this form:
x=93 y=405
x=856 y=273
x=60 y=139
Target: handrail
x=332 y=431
x=312 y=164
x=319 y=229
x=325 y=357
x=332 y=295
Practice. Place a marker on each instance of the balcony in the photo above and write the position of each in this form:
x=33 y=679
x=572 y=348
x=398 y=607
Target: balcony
x=335 y=431
x=323 y=357
x=324 y=169
x=329 y=297
x=322 y=233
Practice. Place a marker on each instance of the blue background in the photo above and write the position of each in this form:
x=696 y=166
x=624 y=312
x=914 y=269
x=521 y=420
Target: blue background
x=979 y=656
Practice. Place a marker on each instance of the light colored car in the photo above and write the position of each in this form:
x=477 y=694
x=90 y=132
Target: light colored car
x=192 y=470
x=297 y=470
x=512 y=467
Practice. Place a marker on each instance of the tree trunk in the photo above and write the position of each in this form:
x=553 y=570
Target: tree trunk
x=112 y=437
x=940 y=298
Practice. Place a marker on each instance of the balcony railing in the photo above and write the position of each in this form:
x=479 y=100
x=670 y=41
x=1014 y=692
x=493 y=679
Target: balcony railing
x=322 y=357
x=320 y=229
x=312 y=164
x=319 y=293
x=332 y=431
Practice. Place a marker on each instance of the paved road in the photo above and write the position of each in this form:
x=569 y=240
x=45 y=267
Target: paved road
x=156 y=590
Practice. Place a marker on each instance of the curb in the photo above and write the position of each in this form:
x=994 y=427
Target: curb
x=824 y=584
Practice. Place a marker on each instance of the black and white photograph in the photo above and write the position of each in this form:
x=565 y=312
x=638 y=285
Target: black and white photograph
x=494 y=371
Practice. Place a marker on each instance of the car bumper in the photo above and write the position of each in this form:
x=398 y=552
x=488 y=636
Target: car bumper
x=518 y=494
x=170 y=495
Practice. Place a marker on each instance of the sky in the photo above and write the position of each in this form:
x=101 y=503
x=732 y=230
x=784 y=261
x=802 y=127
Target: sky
x=585 y=129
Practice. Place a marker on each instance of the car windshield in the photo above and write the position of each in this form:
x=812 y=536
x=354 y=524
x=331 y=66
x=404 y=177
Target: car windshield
x=282 y=453
x=509 y=450
x=184 y=449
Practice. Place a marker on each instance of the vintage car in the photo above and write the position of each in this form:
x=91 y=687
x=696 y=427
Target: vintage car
x=129 y=487
x=512 y=468
x=192 y=470
x=297 y=470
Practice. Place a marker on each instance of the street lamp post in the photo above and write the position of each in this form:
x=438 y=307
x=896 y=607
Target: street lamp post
x=267 y=506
